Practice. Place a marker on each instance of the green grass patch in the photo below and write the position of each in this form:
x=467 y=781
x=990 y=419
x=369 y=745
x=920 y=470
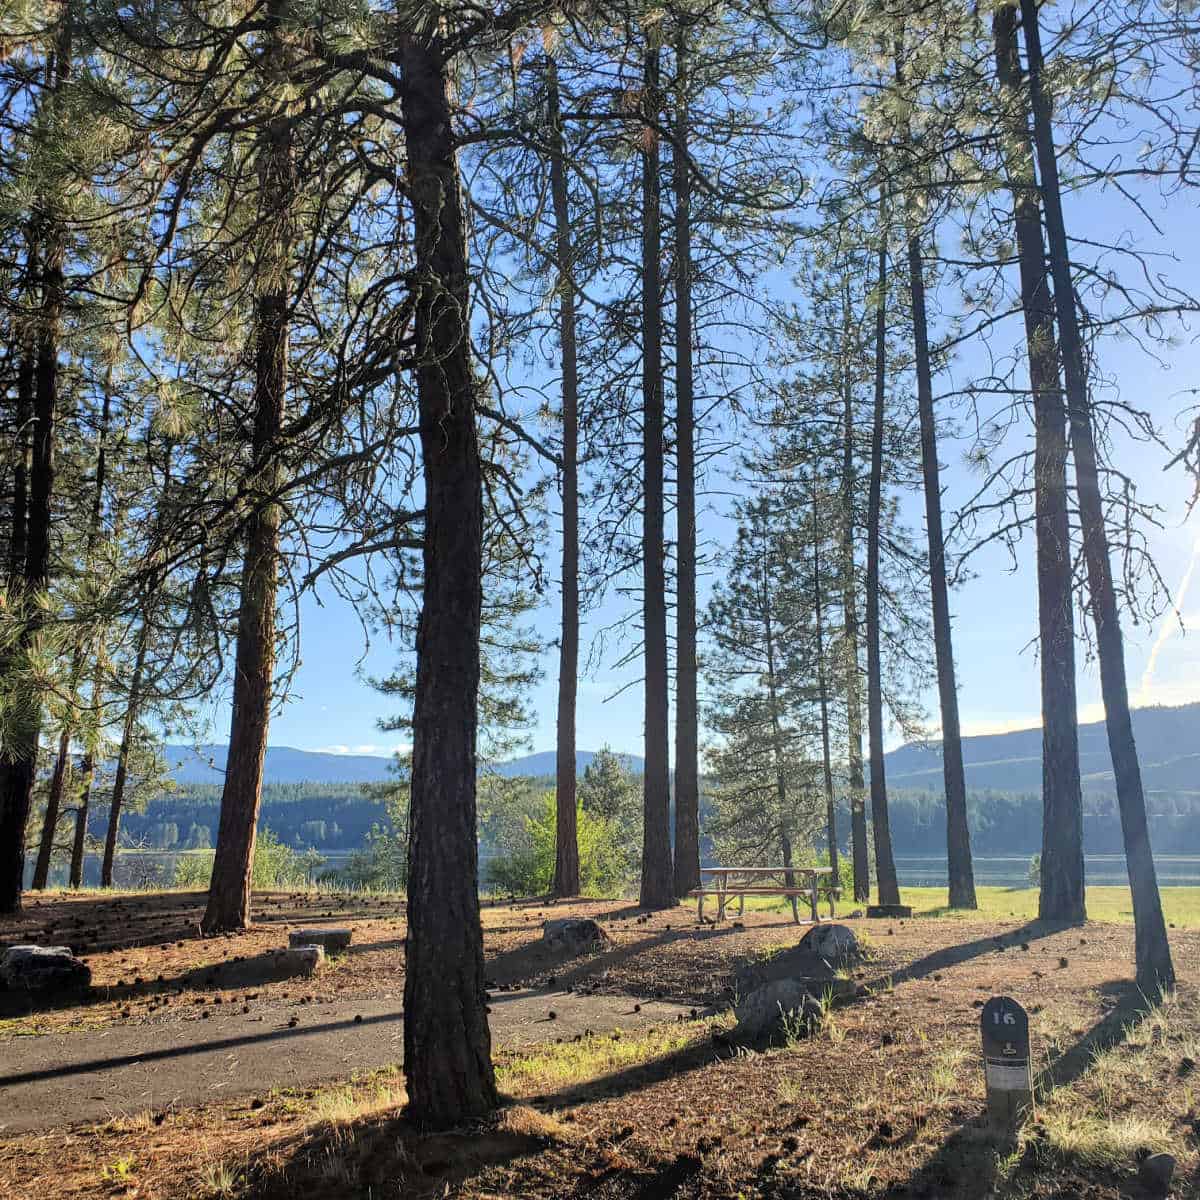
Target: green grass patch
x=571 y=1063
x=1181 y=905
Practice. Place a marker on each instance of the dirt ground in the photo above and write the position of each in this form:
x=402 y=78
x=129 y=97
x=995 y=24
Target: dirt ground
x=885 y=1099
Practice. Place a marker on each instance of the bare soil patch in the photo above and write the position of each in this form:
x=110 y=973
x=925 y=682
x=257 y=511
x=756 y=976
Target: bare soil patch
x=886 y=1100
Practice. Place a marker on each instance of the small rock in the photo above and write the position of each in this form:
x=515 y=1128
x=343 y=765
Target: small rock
x=1186 y=1065
x=43 y=969
x=1156 y=1172
x=576 y=935
x=783 y=1006
x=834 y=943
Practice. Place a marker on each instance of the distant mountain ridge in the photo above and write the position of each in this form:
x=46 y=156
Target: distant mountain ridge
x=284 y=764
x=1168 y=741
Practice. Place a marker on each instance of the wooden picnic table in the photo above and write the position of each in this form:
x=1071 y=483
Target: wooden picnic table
x=724 y=885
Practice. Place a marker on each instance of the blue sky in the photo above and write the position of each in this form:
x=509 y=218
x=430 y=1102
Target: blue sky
x=333 y=708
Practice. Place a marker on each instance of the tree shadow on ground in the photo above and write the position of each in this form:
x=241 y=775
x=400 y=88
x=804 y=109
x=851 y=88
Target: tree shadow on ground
x=166 y=1053
x=970 y=1161
x=535 y=961
x=954 y=956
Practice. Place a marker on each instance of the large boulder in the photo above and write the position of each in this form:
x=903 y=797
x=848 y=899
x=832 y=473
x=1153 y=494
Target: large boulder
x=782 y=1009
x=834 y=943
x=43 y=969
x=574 y=935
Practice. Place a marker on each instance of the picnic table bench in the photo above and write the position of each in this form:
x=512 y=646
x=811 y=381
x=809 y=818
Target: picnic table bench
x=725 y=882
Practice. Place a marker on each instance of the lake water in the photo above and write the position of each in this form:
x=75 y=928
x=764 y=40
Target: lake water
x=1173 y=870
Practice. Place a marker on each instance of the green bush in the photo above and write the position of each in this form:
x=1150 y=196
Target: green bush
x=276 y=865
x=528 y=869
x=382 y=866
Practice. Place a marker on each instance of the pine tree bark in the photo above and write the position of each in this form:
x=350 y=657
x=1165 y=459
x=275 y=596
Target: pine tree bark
x=229 y=890
x=566 y=843
x=823 y=695
x=687 y=724
x=1152 y=952
x=885 y=866
x=87 y=774
x=121 y=776
x=54 y=795
x=1062 y=896
x=849 y=580
x=41 y=870
x=657 y=890
x=19 y=769
x=958 y=835
x=447 y=1045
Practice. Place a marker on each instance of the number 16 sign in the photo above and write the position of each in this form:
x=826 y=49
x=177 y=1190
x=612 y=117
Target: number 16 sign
x=1006 y=1067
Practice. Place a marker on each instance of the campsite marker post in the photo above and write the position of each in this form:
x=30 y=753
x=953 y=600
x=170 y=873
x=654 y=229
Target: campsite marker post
x=1006 y=1066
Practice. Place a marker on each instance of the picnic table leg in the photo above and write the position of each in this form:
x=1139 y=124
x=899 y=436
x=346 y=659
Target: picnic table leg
x=700 y=905
x=816 y=912
x=795 y=909
x=742 y=904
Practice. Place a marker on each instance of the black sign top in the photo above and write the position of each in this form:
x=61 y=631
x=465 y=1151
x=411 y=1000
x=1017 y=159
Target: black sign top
x=1005 y=1027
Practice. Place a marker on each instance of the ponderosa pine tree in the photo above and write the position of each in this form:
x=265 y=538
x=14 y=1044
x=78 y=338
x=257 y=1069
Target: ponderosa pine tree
x=254 y=667
x=447 y=1044
x=566 y=854
x=18 y=762
x=885 y=865
x=1155 y=970
x=687 y=774
x=658 y=884
x=1062 y=895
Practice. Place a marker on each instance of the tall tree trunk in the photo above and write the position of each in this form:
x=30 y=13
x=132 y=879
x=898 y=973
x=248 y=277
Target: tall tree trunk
x=958 y=834
x=41 y=871
x=885 y=866
x=1062 y=896
x=777 y=748
x=1155 y=970
x=87 y=773
x=54 y=794
x=88 y=766
x=566 y=851
x=687 y=736
x=658 y=883
x=121 y=776
x=447 y=1045
x=849 y=579
x=229 y=890
x=823 y=694
x=18 y=768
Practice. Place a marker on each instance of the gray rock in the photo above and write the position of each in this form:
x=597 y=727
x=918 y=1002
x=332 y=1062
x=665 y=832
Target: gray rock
x=331 y=940
x=834 y=943
x=1156 y=1172
x=299 y=960
x=797 y=962
x=783 y=1008
x=575 y=935
x=43 y=969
